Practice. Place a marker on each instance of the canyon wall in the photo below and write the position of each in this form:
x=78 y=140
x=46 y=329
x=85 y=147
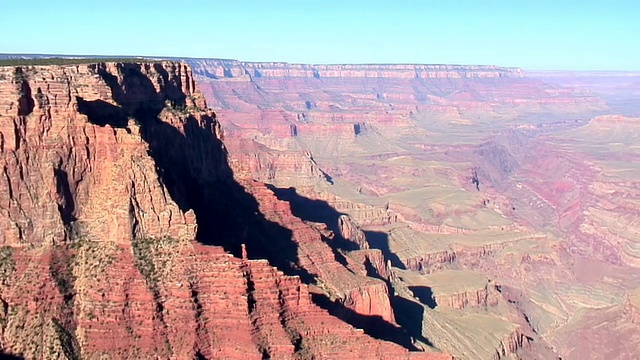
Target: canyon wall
x=374 y=93
x=64 y=170
x=235 y=69
x=111 y=171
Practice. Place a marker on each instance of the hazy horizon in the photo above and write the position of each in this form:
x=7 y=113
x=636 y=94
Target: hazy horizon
x=582 y=36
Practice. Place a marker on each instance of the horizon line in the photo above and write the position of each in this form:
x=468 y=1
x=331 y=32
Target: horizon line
x=7 y=56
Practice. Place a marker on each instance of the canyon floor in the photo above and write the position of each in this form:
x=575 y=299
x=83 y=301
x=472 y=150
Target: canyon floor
x=218 y=209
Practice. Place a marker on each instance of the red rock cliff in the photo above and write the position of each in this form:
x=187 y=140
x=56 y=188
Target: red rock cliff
x=109 y=173
x=63 y=170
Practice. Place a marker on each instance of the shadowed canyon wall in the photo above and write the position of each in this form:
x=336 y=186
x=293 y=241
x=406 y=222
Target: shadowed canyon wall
x=120 y=219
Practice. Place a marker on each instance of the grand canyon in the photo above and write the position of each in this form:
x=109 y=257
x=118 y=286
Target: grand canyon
x=219 y=209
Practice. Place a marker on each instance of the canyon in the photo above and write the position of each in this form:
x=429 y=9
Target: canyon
x=502 y=200
x=220 y=209
x=123 y=224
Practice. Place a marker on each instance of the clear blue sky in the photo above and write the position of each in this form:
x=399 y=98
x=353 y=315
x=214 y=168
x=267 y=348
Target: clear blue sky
x=533 y=34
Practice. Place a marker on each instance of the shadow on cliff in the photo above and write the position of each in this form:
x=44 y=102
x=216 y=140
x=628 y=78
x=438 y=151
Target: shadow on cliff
x=380 y=240
x=374 y=326
x=101 y=113
x=410 y=315
x=6 y=356
x=320 y=211
x=317 y=211
x=191 y=162
x=425 y=295
x=195 y=170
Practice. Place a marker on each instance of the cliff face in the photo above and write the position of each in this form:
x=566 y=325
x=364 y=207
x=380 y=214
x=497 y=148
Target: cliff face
x=66 y=173
x=319 y=255
x=378 y=93
x=109 y=173
x=236 y=69
x=167 y=298
x=483 y=297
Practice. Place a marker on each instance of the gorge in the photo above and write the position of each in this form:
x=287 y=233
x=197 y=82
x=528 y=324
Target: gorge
x=219 y=209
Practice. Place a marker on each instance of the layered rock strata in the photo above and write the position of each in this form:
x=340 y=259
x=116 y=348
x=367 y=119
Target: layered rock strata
x=239 y=69
x=110 y=170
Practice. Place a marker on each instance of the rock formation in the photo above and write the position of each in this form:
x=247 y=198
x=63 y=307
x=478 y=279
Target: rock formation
x=449 y=288
x=111 y=171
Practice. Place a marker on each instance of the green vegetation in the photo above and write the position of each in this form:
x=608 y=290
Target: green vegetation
x=67 y=340
x=61 y=269
x=94 y=256
x=5 y=311
x=167 y=347
x=69 y=61
x=7 y=264
x=143 y=254
x=301 y=346
x=150 y=258
x=183 y=107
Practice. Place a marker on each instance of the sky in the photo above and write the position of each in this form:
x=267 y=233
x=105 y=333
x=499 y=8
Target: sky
x=534 y=35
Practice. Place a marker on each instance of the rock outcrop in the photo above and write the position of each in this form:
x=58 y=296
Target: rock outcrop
x=111 y=171
x=449 y=288
x=167 y=298
x=352 y=232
